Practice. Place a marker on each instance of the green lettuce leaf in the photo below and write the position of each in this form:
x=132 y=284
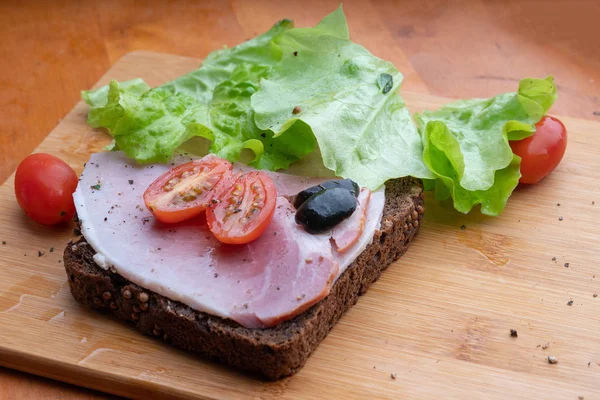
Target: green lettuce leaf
x=150 y=127
x=347 y=97
x=219 y=65
x=216 y=68
x=233 y=127
x=466 y=144
x=99 y=97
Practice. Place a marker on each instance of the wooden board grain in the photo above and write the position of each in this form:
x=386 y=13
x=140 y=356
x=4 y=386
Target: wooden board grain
x=439 y=318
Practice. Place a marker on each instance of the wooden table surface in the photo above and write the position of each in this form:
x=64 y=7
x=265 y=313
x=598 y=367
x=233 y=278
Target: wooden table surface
x=51 y=51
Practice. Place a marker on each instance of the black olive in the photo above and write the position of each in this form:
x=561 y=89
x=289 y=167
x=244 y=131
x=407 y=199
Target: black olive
x=325 y=209
x=307 y=193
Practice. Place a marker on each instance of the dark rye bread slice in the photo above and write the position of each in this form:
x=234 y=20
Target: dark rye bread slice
x=273 y=352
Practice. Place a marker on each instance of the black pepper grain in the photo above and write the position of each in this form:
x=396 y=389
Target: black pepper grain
x=514 y=333
x=566 y=265
x=553 y=258
x=130 y=181
x=295 y=54
x=4 y=242
x=570 y=303
x=560 y=218
x=40 y=253
x=51 y=250
x=463 y=227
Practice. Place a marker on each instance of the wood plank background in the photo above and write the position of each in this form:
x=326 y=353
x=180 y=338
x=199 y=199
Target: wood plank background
x=50 y=51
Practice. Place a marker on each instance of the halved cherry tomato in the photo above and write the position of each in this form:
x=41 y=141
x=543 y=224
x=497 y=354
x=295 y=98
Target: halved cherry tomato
x=44 y=187
x=541 y=152
x=242 y=213
x=185 y=191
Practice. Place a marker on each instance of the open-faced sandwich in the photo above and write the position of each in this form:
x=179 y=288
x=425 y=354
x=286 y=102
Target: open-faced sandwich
x=252 y=267
x=258 y=278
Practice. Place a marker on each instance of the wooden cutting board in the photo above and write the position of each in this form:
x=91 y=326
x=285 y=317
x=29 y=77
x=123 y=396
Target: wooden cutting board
x=438 y=320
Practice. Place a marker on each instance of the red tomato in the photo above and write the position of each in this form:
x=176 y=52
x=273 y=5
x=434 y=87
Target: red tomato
x=44 y=187
x=541 y=152
x=185 y=191
x=243 y=212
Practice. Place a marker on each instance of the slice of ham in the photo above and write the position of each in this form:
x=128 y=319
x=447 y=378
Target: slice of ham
x=287 y=185
x=299 y=269
x=346 y=233
x=259 y=284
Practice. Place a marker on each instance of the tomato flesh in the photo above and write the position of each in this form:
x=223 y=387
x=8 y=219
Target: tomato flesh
x=243 y=212
x=542 y=152
x=44 y=187
x=185 y=191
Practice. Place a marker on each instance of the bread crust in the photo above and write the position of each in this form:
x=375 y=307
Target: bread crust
x=272 y=352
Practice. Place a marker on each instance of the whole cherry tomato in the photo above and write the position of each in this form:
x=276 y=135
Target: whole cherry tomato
x=44 y=187
x=541 y=152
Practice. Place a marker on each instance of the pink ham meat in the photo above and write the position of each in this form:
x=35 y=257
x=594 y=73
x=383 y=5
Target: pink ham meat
x=346 y=234
x=259 y=284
